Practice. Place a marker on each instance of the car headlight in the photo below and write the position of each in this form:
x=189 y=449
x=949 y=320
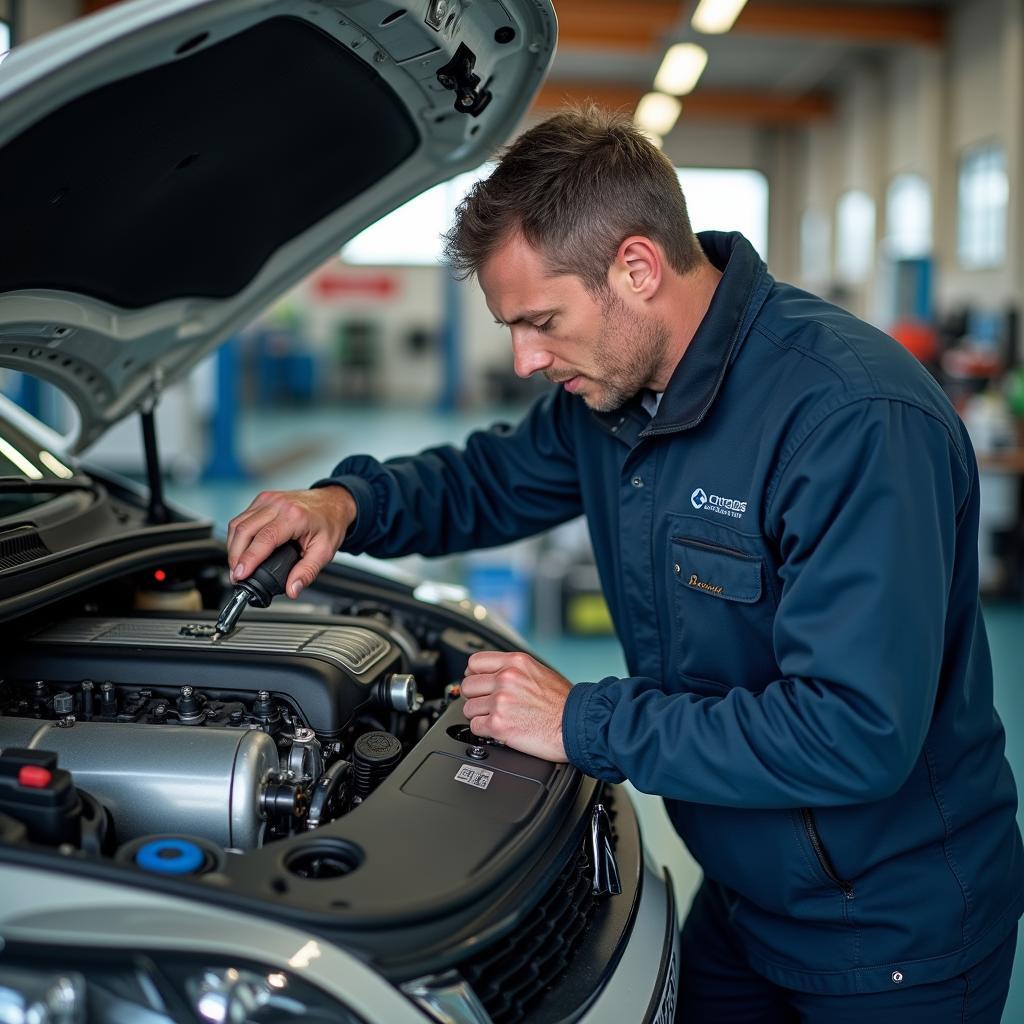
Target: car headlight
x=40 y=986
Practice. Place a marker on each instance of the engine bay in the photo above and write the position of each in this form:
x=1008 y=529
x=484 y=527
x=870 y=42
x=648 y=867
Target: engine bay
x=272 y=731
x=260 y=718
x=313 y=768
x=307 y=758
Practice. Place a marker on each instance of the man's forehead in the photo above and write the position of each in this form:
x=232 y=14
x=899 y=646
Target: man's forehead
x=514 y=255
x=519 y=284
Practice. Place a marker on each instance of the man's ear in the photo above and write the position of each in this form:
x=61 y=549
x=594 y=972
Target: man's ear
x=637 y=268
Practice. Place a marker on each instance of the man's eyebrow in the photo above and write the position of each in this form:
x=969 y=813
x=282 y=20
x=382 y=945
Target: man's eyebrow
x=527 y=314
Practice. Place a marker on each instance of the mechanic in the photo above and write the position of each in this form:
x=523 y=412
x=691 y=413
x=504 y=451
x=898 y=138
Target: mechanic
x=784 y=512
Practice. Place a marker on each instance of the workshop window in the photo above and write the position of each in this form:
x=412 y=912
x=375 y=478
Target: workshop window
x=983 y=193
x=411 y=235
x=908 y=217
x=726 y=199
x=718 y=199
x=815 y=247
x=855 y=237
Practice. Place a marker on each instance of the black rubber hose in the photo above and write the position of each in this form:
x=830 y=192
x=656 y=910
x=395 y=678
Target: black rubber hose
x=329 y=795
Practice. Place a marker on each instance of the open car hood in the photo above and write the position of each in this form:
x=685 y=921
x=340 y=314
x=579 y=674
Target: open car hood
x=172 y=166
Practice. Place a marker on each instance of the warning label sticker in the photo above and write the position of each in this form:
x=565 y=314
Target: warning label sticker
x=473 y=776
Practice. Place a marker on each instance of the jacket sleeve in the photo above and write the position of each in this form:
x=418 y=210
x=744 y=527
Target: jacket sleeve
x=506 y=484
x=865 y=510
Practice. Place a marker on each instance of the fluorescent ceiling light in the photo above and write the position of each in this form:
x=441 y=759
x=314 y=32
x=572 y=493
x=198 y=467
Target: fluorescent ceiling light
x=52 y=463
x=657 y=113
x=13 y=455
x=716 y=16
x=683 y=65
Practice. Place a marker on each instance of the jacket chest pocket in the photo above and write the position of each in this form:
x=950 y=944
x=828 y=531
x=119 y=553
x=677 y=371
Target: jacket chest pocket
x=722 y=616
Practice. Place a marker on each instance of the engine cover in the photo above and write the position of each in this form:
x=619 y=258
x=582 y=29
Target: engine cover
x=326 y=673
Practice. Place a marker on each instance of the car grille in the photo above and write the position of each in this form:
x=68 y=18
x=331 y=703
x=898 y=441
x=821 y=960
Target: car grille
x=511 y=977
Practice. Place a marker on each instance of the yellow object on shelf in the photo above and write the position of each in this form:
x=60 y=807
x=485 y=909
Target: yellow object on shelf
x=588 y=614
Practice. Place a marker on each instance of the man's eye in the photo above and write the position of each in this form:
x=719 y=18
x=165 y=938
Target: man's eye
x=546 y=326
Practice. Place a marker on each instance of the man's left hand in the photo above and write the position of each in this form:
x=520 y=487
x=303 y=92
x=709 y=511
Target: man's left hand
x=515 y=699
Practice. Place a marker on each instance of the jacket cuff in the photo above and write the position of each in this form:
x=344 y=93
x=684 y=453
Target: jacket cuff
x=366 y=510
x=584 y=728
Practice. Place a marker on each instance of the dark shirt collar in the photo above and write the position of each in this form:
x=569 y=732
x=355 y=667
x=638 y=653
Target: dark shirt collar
x=697 y=378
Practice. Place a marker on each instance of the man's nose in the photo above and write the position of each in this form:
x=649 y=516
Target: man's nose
x=527 y=356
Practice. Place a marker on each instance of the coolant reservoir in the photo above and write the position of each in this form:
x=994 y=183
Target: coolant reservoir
x=161 y=592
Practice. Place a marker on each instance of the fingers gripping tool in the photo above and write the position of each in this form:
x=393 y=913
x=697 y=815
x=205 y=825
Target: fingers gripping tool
x=261 y=587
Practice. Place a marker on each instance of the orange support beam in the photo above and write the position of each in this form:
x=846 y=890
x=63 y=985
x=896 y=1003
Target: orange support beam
x=704 y=104
x=617 y=24
x=882 y=23
x=760 y=107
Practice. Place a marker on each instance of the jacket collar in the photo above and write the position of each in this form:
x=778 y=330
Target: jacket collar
x=698 y=377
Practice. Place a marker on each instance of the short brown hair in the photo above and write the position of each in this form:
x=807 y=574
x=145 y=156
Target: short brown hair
x=576 y=185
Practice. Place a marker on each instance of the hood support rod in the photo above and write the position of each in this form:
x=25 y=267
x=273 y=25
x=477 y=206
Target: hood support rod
x=157 y=511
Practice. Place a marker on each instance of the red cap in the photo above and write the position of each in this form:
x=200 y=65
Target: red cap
x=34 y=777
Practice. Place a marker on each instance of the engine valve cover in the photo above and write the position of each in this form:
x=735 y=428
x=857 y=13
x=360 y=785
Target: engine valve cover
x=325 y=672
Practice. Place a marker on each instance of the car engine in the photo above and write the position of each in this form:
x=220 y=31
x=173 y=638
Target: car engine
x=273 y=730
x=313 y=766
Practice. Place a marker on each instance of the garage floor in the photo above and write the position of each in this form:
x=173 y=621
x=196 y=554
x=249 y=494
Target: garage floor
x=290 y=449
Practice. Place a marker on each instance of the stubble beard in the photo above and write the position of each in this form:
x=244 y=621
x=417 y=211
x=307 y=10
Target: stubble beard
x=627 y=354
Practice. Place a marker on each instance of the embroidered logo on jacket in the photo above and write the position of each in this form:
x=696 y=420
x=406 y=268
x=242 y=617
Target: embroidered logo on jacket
x=711 y=588
x=717 y=504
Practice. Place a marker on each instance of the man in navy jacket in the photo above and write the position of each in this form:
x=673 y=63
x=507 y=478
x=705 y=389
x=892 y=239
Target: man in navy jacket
x=784 y=513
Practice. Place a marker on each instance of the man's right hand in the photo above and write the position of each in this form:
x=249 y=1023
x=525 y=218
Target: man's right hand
x=318 y=519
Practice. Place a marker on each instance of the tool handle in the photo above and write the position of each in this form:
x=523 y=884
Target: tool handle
x=271 y=575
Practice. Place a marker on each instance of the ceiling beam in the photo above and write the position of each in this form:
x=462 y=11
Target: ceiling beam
x=757 y=107
x=882 y=23
x=617 y=24
x=645 y=24
x=704 y=104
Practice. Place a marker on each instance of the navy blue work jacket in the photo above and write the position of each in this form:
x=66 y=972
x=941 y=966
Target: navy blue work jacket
x=789 y=550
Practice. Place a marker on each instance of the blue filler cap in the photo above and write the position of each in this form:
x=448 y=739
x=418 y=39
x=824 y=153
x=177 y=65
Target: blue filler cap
x=170 y=857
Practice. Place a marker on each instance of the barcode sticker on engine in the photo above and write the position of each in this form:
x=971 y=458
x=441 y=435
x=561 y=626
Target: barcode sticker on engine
x=473 y=776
